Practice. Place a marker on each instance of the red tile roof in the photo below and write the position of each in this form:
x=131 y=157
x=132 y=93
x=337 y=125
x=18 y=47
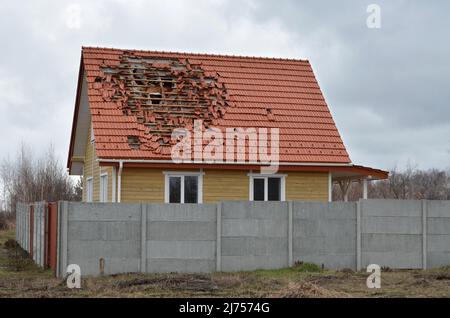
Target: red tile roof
x=223 y=91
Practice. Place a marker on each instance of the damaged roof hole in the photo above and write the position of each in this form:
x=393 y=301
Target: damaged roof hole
x=133 y=142
x=168 y=83
x=155 y=98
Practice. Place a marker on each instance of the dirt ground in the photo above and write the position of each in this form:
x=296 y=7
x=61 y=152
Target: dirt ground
x=19 y=277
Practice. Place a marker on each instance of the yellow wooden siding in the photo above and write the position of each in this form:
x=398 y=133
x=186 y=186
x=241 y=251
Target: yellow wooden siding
x=92 y=169
x=225 y=185
x=142 y=185
x=307 y=186
x=147 y=185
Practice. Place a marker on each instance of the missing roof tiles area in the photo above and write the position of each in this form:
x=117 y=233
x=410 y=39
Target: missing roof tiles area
x=162 y=94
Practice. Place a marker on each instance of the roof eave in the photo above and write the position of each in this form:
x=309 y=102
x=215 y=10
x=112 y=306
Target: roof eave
x=76 y=110
x=367 y=172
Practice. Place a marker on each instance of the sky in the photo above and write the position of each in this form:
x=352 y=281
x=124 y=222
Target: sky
x=388 y=88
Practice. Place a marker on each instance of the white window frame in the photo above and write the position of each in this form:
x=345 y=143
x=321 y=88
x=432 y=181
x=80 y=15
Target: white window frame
x=92 y=134
x=104 y=187
x=253 y=176
x=89 y=189
x=168 y=174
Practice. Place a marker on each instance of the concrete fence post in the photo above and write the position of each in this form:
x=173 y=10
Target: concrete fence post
x=290 y=234
x=143 y=265
x=21 y=226
x=424 y=233
x=38 y=233
x=358 y=236
x=39 y=241
x=24 y=228
x=17 y=222
x=62 y=249
x=58 y=240
x=42 y=232
x=35 y=231
x=26 y=232
x=219 y=237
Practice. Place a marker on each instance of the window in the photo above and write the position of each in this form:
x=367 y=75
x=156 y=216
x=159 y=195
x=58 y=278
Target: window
x=104 y=188
x=267 y=188
x=258 y=189
x=89 y=189
x=174 y=189
x=185 y=188
x=92 y=134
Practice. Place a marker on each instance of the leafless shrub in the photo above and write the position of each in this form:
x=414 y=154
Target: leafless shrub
x=410 y=184
x=27 y=178
x=6 y=220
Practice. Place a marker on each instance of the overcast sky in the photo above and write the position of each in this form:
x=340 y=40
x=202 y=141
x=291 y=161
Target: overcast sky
x=388 y=88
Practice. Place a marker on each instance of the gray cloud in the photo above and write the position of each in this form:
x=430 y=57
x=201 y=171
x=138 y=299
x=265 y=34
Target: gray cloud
x=387 y=88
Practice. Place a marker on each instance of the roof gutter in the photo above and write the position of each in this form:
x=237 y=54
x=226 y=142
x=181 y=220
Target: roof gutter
x=313 y=166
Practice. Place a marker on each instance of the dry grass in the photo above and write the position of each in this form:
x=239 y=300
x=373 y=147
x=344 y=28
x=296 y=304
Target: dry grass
x=308 y=290
x=303 y=281
x=7 y=221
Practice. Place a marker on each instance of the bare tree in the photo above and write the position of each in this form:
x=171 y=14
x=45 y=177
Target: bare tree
x=410 y=184
x=29 y=179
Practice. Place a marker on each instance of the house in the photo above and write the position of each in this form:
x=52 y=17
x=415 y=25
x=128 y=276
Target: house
x=130 y=103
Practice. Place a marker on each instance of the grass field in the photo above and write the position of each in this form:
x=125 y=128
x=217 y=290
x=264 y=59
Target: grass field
x=19 y=277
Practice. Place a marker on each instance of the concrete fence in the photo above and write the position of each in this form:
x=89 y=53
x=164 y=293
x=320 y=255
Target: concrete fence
x=113 y=238
x=31 y=229
x=36 y=232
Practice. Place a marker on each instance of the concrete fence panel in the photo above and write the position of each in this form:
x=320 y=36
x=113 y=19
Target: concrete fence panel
x=391 y=233
x=181 y=238
x=438 y=233
x=254 y=235
x=325 y=233
x=36 y=231
x=103 y=238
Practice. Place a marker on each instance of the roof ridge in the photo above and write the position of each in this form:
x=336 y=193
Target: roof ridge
x=265 y=58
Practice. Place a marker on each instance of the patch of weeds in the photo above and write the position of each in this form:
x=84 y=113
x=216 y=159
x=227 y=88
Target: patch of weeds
x=9 y=244
x=442 y=276
x=306 y=267
x=17 y=259
x=346 y=271
x=188 y=282
x=309 y=290
x=386 y=269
